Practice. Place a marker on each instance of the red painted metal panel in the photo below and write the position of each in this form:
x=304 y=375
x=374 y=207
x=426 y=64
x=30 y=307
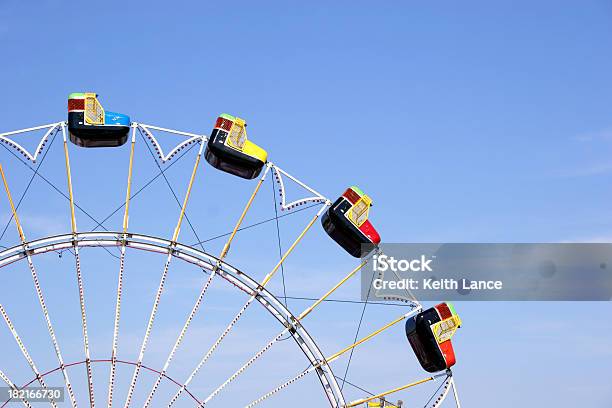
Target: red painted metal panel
x=444 y=311
x=351 y=195
x=76 y=104
x=368 y=230
x=224 y=124
x=449 y=353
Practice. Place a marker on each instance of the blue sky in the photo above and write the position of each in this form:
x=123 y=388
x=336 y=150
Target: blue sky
x=471 y=122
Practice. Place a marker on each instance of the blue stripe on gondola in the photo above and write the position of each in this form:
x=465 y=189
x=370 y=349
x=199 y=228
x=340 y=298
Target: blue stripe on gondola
x=116 y=119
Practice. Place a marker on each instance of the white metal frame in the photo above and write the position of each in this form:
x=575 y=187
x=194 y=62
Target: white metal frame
x=41 y=145
x=316 y=198
x=192 y=138
x=146 y=129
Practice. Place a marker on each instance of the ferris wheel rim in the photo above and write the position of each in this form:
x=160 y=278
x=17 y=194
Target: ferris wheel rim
x=208 y=263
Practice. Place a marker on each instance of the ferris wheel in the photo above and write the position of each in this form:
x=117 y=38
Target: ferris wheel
x=120 y=374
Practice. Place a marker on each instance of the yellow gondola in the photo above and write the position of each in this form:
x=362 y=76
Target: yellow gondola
x=229 y=150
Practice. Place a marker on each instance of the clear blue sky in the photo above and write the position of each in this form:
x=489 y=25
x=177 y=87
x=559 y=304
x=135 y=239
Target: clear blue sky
x=472 y=122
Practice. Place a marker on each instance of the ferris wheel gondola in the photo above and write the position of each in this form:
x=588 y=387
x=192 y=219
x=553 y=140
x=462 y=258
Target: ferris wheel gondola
x=229 y=150
x=91 y=126
x=347 y=223
x=430 y=334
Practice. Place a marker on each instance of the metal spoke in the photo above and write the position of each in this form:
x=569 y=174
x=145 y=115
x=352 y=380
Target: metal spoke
x=54 y=187
x=111 y=382
x=441 y=392
x=456 y=395
x=162 y=281
x=276 y=339
x=100 y=224
x=31 y=180
x=13 y=387
x=202 y=261
x=263 y=283
x=204 y=289
x=281 y=387
x=246 y=365
x=394 y=390
x=79 y=275
x=25 y=352
x=98 y=361
x=335 y=356
x=39 y=292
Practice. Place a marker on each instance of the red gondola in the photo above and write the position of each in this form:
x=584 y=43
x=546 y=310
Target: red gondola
x=346 y=222
x=430 y=334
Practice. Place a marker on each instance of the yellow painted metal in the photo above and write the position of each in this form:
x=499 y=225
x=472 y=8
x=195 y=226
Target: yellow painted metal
x=79 y=279
x=128 y=194
x=332 y=290
x=94 y=112
x=70 y=195
x=187 y=194
x=253 y=150
x=359 y=212
x=13 y=209
x=129 y=184
x=226 y=247
x=446 y=328
x=237 y=135
x=291 y=248
x=382 y=394
x=237 y=139
x=357 y=343
x=40 y=297
x=366 y=338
